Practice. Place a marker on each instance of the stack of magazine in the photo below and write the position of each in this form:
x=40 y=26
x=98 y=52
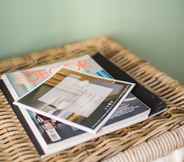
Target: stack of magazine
x=68 y=103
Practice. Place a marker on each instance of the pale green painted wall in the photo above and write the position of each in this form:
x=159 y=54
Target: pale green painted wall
x=154 y=29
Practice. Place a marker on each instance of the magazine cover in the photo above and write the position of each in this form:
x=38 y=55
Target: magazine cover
x=80 y=100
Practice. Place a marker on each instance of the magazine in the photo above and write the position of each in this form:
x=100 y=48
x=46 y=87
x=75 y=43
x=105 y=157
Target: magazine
x=81 y=100
x=50 y=136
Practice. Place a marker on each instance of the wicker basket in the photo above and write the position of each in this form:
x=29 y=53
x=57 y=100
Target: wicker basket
x=142 y=142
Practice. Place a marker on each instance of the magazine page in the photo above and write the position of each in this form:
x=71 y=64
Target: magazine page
x=77 y=99
x=25 y=80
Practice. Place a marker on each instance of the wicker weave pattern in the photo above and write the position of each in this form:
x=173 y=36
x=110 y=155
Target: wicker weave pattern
x=154 y=148
x=133 y=141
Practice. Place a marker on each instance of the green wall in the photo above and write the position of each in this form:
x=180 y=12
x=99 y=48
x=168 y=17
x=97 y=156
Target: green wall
x=154 y=29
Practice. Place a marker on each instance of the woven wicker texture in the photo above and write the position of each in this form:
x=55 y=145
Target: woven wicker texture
x=144 y=141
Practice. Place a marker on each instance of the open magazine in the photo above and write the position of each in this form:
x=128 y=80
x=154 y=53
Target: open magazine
x=51 y=136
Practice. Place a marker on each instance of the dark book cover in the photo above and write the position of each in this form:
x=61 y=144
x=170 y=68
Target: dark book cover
x=56 y=132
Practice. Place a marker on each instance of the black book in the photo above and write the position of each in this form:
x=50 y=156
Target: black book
x=51 y=136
